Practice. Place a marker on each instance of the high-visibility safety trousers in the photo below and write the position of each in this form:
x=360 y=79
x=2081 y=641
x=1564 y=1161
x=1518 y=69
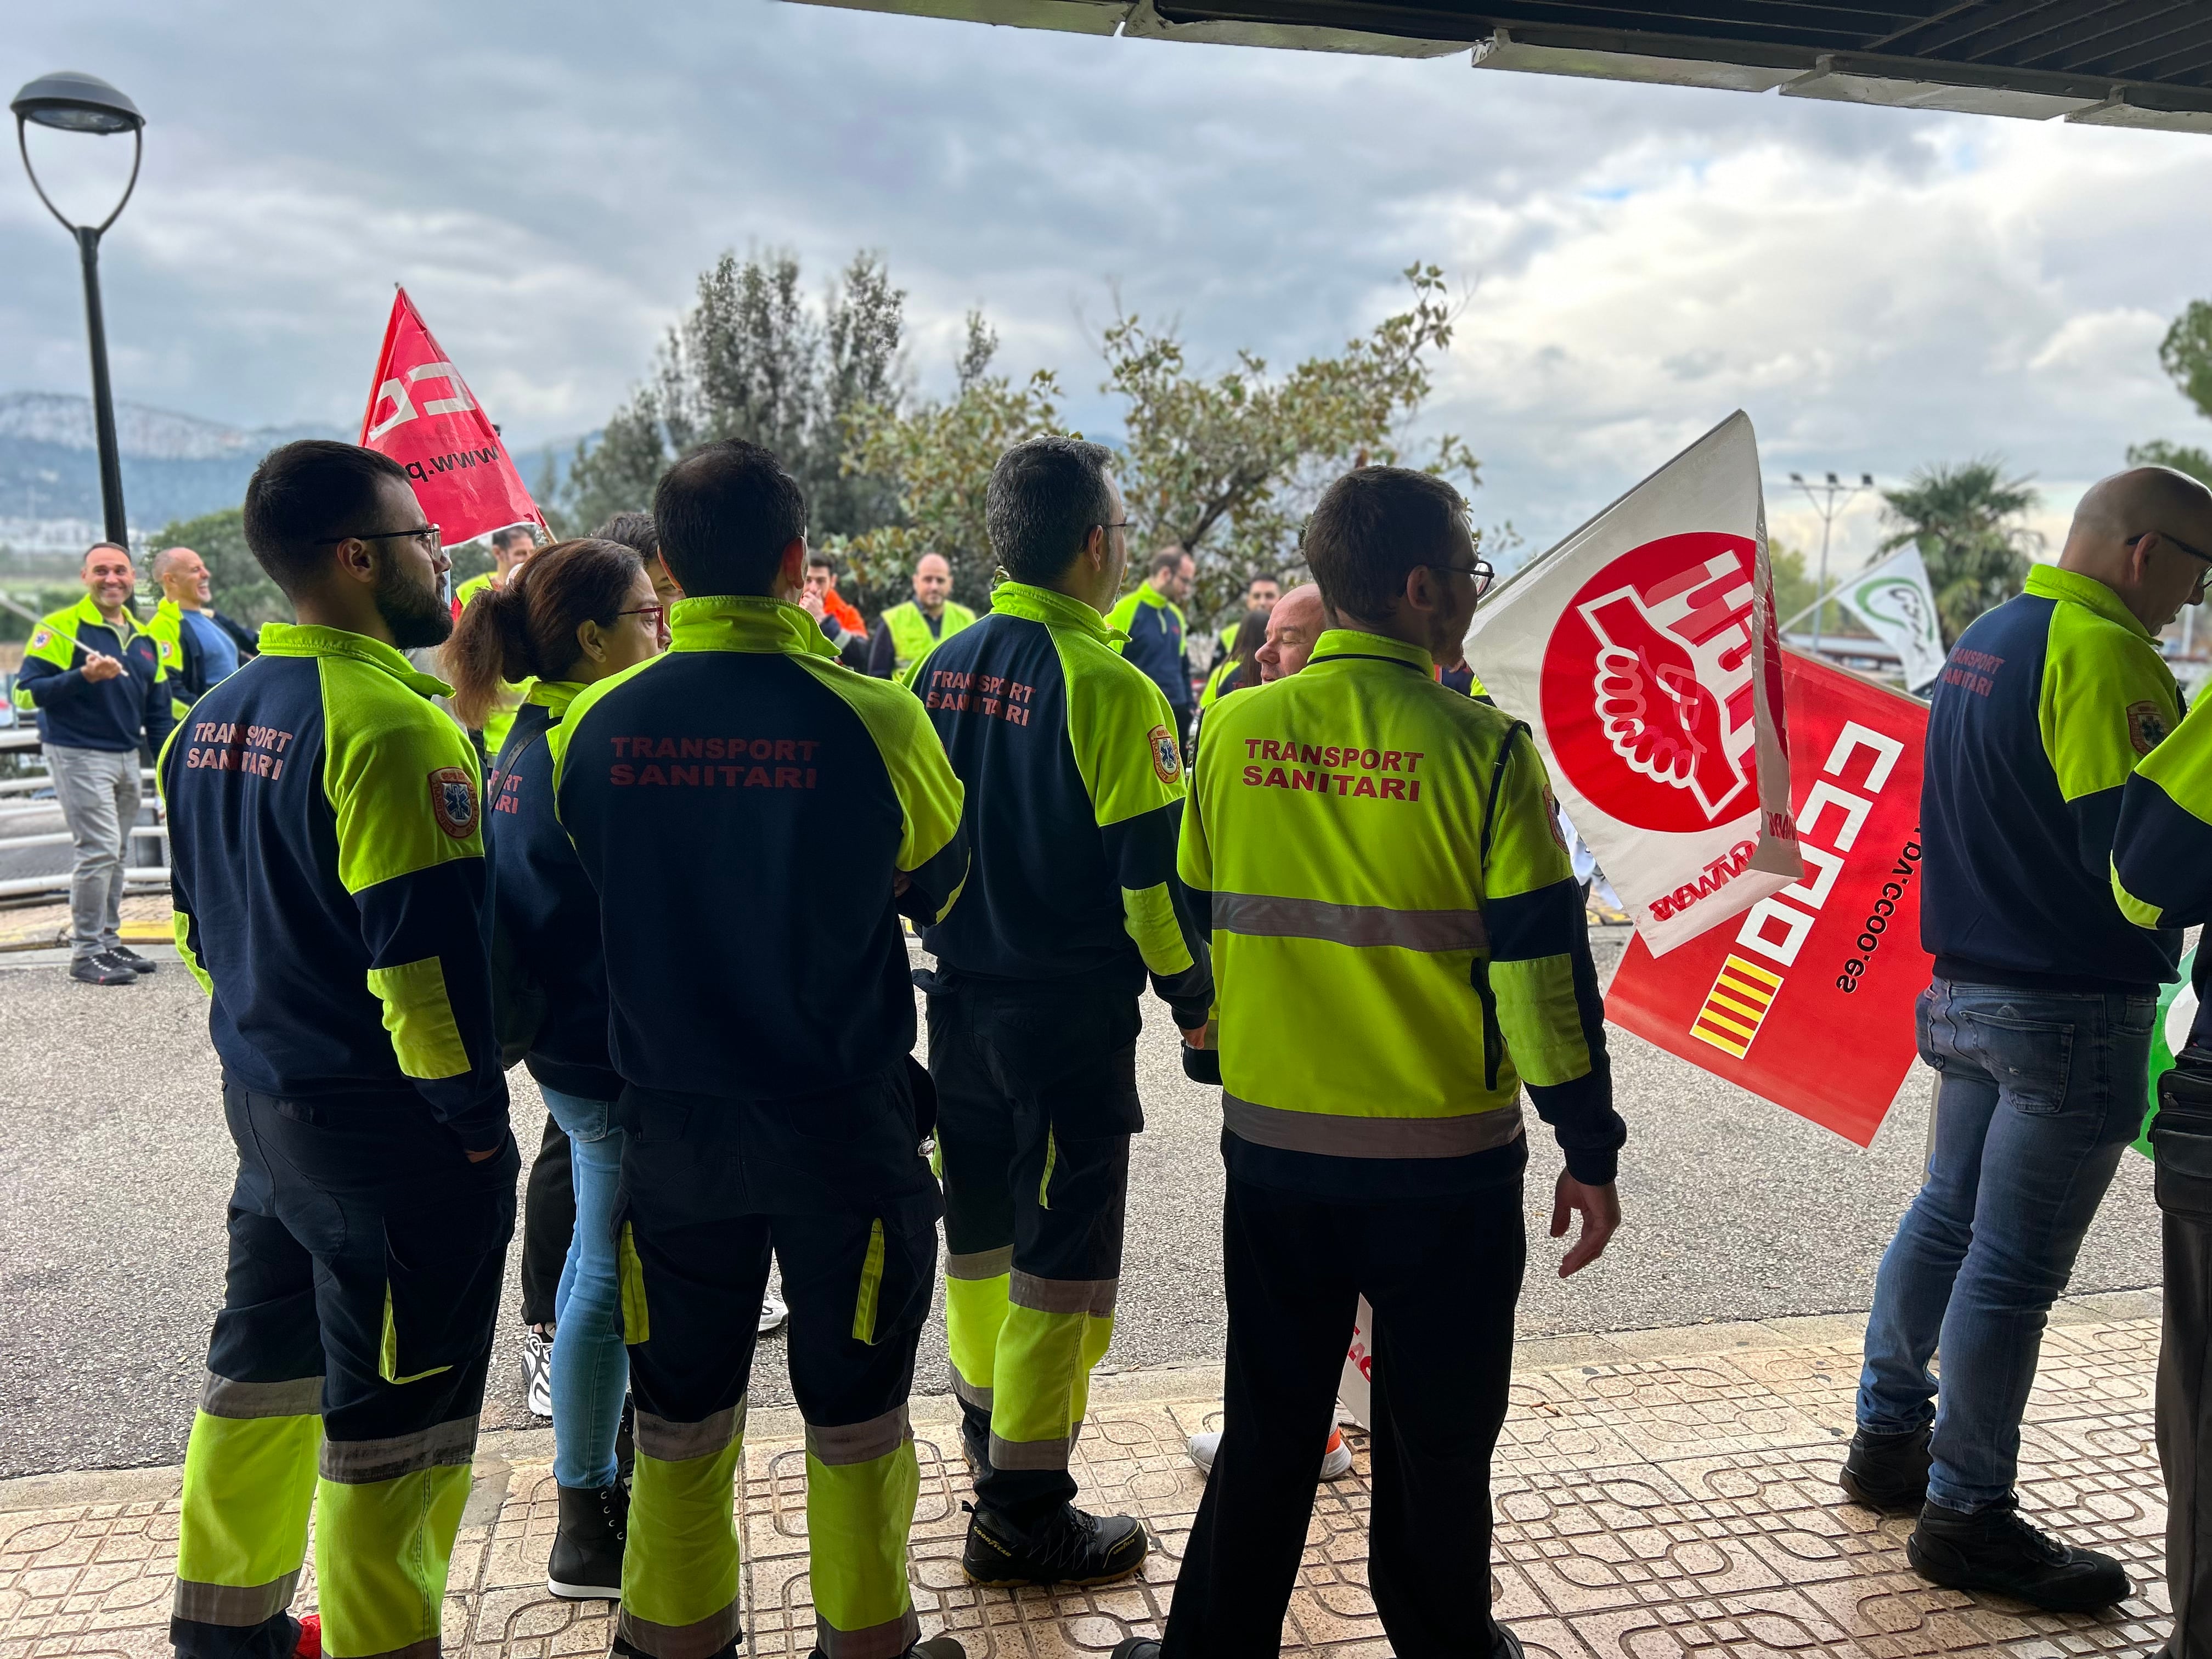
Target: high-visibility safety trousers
x=345 y=1374
x=705 y=1185
x=1036 y=1097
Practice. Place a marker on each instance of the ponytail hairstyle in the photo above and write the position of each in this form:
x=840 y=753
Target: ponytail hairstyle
x=526 y=629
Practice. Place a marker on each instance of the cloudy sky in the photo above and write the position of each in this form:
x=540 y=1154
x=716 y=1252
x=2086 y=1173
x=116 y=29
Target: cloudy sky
x=1878 y=290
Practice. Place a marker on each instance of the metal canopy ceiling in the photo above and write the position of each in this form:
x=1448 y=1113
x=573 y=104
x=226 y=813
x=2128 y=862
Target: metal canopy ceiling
x=2110 y=62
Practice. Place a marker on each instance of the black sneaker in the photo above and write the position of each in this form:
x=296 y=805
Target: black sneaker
x=1136 y=1647
x=130 y=959
x=1069 y=1549
x=1886 y=1472
x=587 y=1550
x=99 y=971
x=1994 y=1550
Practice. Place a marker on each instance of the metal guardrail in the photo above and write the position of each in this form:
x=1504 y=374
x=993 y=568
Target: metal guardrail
x=138 y=878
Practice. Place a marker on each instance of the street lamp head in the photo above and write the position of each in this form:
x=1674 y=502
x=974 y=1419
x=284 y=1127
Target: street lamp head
x=1866 y=481
x=1832 y=478
x=75 y=102
x=1796 y=477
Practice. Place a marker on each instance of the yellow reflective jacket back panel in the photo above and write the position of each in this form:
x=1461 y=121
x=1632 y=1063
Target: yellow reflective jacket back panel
x=1398 y=941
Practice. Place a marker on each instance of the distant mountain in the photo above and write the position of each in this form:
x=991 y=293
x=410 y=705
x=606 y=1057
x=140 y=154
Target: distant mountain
x=174 y=467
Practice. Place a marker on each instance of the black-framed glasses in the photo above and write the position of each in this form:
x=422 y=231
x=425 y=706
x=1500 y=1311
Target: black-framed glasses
x=1480 y=573
x=427 y=538
x=2168 y=536
x=1118 y=524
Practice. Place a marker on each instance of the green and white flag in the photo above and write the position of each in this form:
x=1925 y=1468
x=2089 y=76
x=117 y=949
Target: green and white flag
x=1895 y=601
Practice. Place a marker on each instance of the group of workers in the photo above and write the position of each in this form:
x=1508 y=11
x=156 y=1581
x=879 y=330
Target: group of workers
x=383 y=929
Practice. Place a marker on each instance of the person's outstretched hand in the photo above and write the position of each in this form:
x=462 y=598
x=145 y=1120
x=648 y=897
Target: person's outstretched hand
x=1600 y=1209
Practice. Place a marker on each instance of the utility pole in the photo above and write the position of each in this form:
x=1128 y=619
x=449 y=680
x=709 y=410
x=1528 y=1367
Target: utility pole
x=1829 y=500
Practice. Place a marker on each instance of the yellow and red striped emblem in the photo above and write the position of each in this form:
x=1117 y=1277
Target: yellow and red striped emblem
x=1737 y=1007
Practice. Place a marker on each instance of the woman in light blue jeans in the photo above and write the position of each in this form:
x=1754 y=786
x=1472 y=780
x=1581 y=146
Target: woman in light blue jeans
x=572 y=614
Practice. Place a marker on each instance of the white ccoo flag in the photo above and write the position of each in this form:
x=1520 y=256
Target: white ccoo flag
x=1895 y=600
x=1641 y=651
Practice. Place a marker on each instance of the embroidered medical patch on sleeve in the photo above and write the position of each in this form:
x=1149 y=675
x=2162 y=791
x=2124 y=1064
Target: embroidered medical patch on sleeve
x=2146 y=726
x=453 y=801
x=40 y=636
x=1167 y=758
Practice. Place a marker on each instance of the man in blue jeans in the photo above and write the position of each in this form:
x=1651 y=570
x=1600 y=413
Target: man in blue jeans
x=2039 y=1020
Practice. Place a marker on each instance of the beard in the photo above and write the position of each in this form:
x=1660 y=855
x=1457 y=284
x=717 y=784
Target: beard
x=418 y=617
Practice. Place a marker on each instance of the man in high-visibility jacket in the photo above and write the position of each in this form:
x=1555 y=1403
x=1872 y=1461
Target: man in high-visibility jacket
x=1259 y=594
x=2039 y=1015
x=2162 y=877
x=1151 y=616
x=510 y=548
x=95 y=679
x=907 y=633
x=1400 y=950
x=200 y=646
x=328 y=874
x=1075 y=788
x=771 y=1096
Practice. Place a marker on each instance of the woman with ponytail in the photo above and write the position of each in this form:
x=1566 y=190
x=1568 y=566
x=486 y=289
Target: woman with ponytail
x=579 y=611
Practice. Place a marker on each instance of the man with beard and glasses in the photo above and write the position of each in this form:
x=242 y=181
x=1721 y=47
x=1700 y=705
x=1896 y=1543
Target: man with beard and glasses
x=328 y=874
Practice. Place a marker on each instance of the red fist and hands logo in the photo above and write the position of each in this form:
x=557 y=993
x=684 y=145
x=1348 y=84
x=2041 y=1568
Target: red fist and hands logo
x=1647 y=684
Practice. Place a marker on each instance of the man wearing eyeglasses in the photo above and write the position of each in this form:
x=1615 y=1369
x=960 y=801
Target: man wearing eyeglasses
x=327 y=872
x=1399 y=948
x=2038 y=1018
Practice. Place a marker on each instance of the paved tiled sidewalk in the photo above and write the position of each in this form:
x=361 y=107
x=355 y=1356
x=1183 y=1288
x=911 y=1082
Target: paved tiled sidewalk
x=1658 y=1494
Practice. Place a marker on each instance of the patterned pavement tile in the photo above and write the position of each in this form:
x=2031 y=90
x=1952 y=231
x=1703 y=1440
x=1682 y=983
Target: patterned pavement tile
x=1677 y=1508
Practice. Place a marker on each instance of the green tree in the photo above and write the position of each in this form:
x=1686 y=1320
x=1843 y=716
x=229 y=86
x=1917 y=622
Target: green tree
x=1966 y=520
x=940 y=456
x=753 y=359
x=2185 y=355
x=1229 y=466
x=242 y=589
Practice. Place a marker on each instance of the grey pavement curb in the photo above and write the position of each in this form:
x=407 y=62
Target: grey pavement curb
x=500 y=1450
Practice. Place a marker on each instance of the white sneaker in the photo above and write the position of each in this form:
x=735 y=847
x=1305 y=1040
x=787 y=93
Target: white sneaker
x=538 y=1370
x=1335 y=1462
x=773 y=1313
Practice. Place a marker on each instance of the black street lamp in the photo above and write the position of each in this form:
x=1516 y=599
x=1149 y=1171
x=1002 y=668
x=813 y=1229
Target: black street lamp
x=85 y=103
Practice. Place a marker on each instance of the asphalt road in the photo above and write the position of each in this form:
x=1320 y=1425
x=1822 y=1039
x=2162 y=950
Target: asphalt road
x=115 y=1166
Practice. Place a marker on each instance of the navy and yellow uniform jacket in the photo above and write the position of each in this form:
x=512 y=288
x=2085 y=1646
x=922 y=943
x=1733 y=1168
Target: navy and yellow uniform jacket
x=542 y=905
x=1398 y=935
x=327 y=867
x=76 y=712
x=2043 y=710
x=1154 y=625
x=701 y=789
x=2162 y=849
x=1075 y=792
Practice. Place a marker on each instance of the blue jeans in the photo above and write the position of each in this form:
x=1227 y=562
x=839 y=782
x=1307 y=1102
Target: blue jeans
x=2041 y=1091
x=590 y=1367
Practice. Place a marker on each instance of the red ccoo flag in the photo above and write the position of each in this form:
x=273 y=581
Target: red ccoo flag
x=421 y=414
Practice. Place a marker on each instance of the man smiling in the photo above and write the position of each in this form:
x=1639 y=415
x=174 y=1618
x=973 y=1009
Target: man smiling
x=92 y=675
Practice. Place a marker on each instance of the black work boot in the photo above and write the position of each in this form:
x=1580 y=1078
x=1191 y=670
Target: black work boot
x=1994 y=1550
x=1886 y=1472
x=937 y=1647
x=1136 y=1647
x=587 y=1550
x=975 y=1438
x=1068 y=1547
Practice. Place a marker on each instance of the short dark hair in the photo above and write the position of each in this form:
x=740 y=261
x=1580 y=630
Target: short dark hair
x=817 y=559
x=635 y=531
x=1371 y=529
x=87 y=553
x=513 y=533
x=1169 y=558
x=1045 y=496
x=725 y=512
x=304 y=493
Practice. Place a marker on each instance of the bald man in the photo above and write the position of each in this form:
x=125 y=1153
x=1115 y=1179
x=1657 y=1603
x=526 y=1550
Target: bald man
x=1293 y=627
x=2038 y=1018
x=909 y=632
x=200 y=646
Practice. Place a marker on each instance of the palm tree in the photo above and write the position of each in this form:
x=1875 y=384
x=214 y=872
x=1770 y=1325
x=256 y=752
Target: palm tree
x=1965 y=519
